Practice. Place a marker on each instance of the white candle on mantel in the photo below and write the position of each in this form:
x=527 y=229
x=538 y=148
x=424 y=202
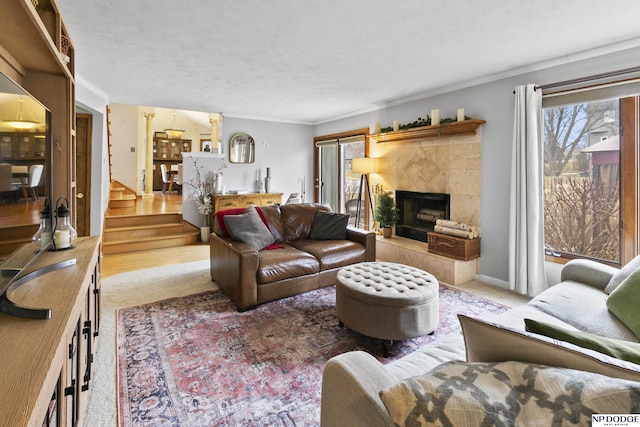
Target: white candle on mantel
x=396 y=126
x=377 y=126
x=435 y=117
x=460 y=114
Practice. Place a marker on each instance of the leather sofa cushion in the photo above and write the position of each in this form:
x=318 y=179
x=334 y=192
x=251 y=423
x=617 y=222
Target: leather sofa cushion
x=285 y=263
x=273 y=216
x=298 y=218
x=332 y=253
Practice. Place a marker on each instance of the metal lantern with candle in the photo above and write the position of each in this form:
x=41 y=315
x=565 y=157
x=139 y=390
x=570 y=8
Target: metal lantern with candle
x=63 y=233
x=42 y=238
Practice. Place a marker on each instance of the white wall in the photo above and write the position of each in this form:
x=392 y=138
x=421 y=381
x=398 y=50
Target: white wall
x=125 y=135
x=91 y=100
x=493 y=102
x=285 y=148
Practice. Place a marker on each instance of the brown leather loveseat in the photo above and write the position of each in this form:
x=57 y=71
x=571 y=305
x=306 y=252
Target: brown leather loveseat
x=295 y=264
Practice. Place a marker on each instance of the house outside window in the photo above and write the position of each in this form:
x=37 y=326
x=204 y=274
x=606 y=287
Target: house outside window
x=582 y=207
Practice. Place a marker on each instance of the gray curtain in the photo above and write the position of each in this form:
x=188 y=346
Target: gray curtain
x=526 y=219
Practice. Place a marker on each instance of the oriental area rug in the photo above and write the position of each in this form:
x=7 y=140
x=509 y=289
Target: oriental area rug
x=196 y=361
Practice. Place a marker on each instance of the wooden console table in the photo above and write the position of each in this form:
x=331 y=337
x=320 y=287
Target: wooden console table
x=228 y=201
x=45 y=373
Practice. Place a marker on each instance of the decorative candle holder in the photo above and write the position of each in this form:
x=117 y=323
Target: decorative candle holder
x=63 y=232
x=42 y=238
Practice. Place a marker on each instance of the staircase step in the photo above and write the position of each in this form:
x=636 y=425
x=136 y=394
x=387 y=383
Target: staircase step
x=122 y=203
x=141 y=220
x=113 y=234
x=120 y=196
x=140 y=232
x=155 y=242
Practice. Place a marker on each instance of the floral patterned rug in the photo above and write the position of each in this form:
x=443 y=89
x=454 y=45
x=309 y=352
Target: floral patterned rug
x=196 y=361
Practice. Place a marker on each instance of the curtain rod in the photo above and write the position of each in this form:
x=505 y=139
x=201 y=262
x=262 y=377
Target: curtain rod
x=588 y=78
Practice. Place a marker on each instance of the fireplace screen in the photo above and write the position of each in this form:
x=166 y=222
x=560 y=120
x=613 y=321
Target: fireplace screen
x=419 y=213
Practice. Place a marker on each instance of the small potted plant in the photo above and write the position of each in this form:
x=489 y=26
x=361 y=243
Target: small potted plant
x=386 y=213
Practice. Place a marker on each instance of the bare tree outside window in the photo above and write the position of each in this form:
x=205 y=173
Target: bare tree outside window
x=582 y=178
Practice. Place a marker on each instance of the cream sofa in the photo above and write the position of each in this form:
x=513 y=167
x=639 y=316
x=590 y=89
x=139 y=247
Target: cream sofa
x=352 y=382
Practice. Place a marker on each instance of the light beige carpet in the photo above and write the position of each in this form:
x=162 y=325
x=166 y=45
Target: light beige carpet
x=126 y=290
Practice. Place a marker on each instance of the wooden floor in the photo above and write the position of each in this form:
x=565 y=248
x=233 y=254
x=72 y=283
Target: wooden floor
x=160 y=203
x=20 y=213
x=28 y=212
x=120 y=263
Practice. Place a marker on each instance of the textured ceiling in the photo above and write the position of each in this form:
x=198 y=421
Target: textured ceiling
x=310 y=61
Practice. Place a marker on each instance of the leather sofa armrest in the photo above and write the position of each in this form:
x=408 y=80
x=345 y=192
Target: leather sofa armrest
x=234 y=266
x=589 y=272
x=351 y=385
x=366 y=238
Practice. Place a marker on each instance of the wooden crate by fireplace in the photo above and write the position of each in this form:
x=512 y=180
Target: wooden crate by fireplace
x=453 y=247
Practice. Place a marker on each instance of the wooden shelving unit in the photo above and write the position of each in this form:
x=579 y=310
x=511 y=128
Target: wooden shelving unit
x=46 y=367
x=467 y=127
x=37 y=53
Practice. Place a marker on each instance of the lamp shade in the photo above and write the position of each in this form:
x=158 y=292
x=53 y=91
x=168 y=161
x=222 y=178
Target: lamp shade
x=173 y=131
x=20 y=122
x=363 y=165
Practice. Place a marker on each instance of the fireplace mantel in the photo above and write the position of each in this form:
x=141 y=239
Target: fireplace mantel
x=466 y=127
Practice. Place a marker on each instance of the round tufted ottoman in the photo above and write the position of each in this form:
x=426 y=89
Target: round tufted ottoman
x=386 y=300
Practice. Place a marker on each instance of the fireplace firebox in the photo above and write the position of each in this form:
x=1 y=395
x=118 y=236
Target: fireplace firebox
x=419 y=213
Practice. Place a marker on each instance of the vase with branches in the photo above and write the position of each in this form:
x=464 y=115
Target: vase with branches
x=201 y=186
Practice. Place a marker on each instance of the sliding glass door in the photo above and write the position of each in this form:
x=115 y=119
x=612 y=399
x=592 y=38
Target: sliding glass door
x=336 y=184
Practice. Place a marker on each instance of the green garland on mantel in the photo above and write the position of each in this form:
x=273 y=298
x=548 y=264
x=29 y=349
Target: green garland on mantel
x=422 y=122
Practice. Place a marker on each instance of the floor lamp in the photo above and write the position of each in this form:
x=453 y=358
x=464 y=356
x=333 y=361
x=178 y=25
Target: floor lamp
x=363 y=166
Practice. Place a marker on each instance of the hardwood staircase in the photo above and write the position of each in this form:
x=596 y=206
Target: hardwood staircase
x=121 y=196
x=132 y=233
x=127 y=230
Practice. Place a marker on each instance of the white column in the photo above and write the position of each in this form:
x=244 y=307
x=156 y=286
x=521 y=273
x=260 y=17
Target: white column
x=216 y=129
x=148 y=168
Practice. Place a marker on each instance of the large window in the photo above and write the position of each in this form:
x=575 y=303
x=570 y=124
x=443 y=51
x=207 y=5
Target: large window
x=585 y=196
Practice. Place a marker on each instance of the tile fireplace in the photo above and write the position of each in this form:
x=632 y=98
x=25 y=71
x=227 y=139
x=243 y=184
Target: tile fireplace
x=419 y=212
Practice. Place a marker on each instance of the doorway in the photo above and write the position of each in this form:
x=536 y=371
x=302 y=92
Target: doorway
x=84 y=129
